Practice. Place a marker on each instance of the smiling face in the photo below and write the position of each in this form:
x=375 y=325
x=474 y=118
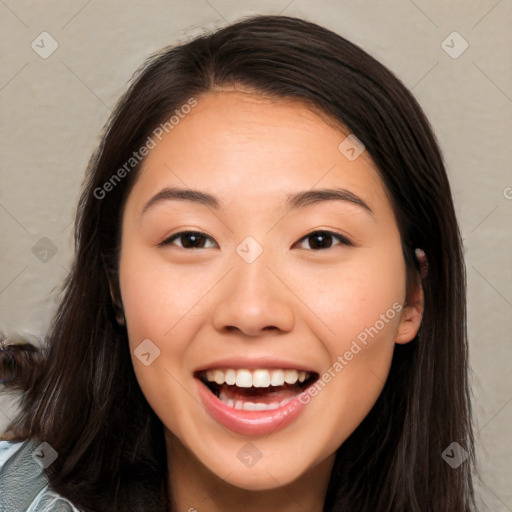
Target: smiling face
x=264 y=282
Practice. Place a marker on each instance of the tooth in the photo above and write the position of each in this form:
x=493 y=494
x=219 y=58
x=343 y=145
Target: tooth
x=285 y=401
x=248 y=406
x=255 y=406
x=291 y=376
x=243 y=379
x=251 y=406
x=230 y=377
x=277 y=378
x=261 y=378
x=218 y=376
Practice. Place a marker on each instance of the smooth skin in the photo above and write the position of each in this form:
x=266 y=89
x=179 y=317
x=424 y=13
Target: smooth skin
x=303 y=300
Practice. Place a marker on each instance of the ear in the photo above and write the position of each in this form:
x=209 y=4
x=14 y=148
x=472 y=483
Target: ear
x=412 y=313
x=117 y=305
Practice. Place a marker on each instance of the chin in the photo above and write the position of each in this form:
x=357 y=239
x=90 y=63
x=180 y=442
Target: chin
x=263 y=478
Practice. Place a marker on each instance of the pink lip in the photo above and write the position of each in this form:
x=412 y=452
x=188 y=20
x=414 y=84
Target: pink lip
x=250 y=423
x=255 y=363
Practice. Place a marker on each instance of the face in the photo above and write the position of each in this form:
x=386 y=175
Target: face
x=261 y=322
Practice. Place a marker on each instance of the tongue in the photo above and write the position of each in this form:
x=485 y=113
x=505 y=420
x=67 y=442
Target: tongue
x=259 y=395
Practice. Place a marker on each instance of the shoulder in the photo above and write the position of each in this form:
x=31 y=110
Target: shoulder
x=23 y=483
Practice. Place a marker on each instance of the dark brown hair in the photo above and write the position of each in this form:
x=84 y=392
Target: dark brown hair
x=84 y=398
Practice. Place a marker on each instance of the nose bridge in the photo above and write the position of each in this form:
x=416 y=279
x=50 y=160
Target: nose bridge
x=252 y=275
x=254 y=299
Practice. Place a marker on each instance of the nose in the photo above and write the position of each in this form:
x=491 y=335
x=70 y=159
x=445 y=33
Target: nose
x=254 y=299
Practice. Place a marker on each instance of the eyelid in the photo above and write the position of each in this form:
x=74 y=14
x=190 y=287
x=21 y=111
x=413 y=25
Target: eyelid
x=168 y=240
x=344 y=240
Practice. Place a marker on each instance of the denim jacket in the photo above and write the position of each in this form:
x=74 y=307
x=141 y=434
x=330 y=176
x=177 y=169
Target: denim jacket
x=23 y=485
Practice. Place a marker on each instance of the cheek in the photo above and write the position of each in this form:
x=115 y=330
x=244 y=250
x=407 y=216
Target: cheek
x=158 y=300
x=156 y=309
x=362 y=294
x=357 y=314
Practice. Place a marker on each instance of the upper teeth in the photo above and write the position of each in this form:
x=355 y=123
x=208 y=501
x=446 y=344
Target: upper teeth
x=260 y=378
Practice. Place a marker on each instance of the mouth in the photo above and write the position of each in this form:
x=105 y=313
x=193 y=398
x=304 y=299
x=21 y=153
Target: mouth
x=262 y=389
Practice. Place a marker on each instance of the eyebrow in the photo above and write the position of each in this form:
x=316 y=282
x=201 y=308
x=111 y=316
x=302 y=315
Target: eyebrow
x=306 y=198
x=293 y=201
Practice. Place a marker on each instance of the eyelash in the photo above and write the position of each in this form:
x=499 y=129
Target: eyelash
x=342 y=239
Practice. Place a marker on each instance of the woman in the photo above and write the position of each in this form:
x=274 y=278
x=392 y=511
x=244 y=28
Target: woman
x=266 y=309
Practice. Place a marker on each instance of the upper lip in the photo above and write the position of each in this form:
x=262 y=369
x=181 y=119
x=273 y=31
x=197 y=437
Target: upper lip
x=255 y=363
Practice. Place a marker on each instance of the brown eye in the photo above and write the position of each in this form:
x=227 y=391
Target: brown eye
x=188 y=239
x=322 y=240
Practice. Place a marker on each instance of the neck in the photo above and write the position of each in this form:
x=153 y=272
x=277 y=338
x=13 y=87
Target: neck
x=196 y=489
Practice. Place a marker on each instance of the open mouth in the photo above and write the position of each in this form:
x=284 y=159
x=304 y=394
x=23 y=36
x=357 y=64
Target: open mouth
x=256 y=390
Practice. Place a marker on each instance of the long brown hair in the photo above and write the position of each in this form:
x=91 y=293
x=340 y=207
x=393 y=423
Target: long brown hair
x=83 y=397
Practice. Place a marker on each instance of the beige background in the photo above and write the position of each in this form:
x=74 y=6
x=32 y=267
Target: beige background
x=54 y=108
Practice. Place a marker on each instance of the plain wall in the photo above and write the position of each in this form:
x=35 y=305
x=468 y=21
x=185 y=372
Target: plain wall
x=54 y=108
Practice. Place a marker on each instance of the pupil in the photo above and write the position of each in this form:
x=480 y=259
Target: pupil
x=320 y=235
x=193 y=237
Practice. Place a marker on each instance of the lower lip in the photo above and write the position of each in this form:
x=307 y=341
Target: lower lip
x=250 y=423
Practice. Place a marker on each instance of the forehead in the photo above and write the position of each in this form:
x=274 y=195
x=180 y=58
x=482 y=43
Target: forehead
x=239 y=144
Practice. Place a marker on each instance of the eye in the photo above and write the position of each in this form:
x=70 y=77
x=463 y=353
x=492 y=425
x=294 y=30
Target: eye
x=322 y=240
x=319 y=240
x=189 y=239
